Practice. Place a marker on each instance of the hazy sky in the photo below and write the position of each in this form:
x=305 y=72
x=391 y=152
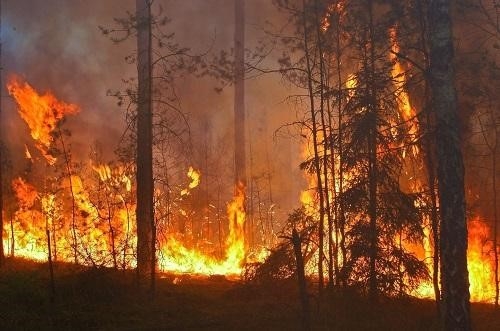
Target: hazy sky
x=56 y=45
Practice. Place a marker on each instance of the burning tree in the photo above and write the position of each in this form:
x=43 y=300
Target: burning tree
x=357 y=156
x=361 y=69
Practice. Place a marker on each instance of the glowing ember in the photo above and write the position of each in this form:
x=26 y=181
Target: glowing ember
x=41 y=112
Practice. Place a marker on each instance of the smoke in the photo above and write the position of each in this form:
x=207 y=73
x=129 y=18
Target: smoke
x=56 y=45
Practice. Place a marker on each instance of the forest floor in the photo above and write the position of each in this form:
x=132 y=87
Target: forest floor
x=104 y=299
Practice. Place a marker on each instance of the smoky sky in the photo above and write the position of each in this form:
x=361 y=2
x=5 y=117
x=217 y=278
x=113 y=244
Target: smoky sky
x=56 y=45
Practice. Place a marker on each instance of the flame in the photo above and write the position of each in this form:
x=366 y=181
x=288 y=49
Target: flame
x=480 y=261
x=398 y=74
x=176 y=257
x=28 y=232
x=195 y=180
x=113 y=177
x=195 y=177
x=40 y=212
x=480 y=264
x=338 y=7
x=108 y=238
x=27 y=153
x=25 y=193
x=40 y=112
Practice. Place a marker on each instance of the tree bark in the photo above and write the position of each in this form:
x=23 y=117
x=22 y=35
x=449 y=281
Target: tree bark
x=144 y=176
x=322 y=109
x=304 y=299
x=67 y=163
x=492 y=148
x=1 y=161
x=317 y=166
x=454 y=274
x=427 y=126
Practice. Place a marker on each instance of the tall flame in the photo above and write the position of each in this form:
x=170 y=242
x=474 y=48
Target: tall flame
x=174 y=256
x=41 y=112
x=398 y=74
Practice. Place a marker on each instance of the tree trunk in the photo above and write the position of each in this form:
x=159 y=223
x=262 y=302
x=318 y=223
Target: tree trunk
x=1 y=150
x=51 y=267
x=67 y=161
x=429 y=157
x=239 y=94
x=322 y=108
x=144 y=176
x=492 y=148
x=317 y=166
x=454 y=274
x=304 y=299
x=340 y=132
x=12 y=237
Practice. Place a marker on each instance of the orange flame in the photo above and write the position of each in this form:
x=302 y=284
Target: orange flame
x=176 y=257
x=195 y=180
x=403 y=99
x=40 y=112
x=479 y=263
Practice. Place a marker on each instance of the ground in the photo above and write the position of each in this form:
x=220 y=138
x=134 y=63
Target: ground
x=104 y=299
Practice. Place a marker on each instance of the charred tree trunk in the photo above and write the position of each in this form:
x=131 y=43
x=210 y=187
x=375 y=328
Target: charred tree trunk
x=317 y=166
x=144 y=176
x=493 y=150
x=434 y=217
x=67 y=161
x=340 y=133
x=454 y=274
x=270 y=196
x=429 y=159
x=12 y=237
x=322 y=110
x=239 y=94
x=304 y=299
x=111 y=232
x=2 y=254
x=51 y=267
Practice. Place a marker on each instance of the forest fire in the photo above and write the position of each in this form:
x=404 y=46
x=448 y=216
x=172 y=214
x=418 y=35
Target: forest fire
x=100 y=230
x=91 y=220
x=175 y=257
x=329 y=159
x=480 y=265
x=479 y=256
